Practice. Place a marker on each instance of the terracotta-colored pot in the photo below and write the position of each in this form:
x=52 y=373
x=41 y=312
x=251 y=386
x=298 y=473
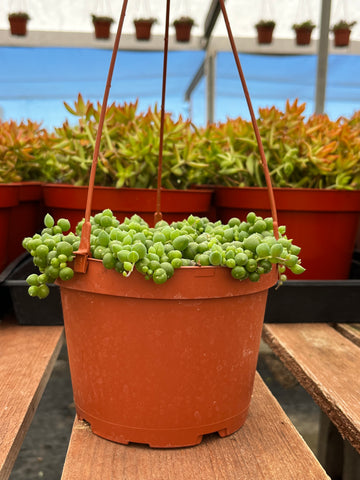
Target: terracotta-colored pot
x=143 y=29
x=303 y=36
x=163 y=364
x=342 y=37
x=26 y=217
x=9 y=198
x=322 y=222
x=183 y=31
x=70 y=201
x=264 y=34
x=102 y=29
x=18 y=26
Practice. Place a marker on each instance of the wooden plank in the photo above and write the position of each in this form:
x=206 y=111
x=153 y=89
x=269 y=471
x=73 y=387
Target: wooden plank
x=327 y=365
x=27 y=356
x=267 y=447
x=352 y=332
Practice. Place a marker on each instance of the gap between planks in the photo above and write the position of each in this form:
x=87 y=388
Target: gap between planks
x=326 y=364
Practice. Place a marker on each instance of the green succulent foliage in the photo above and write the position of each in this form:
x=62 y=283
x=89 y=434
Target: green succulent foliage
x=24 y=149
x=247 y=248
x=129 y=148
x=343 y=25
x=306 y=25
x=266 y=23
x=311 y=153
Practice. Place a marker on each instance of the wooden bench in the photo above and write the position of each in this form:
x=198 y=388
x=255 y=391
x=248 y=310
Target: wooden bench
x=267 y=447
x=27 y=356
x=325 y=359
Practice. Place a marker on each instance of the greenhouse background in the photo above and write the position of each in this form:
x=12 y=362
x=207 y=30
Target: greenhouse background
x=60 y=58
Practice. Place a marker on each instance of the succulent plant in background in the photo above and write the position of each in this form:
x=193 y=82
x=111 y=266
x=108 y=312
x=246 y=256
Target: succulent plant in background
x=102 y=25
x=143 y=27
x=24 y=150
x=342 y=31
x=183 y=26
x=313 y=153
x=23 y=15
x=265 y=23
x=306 y=25
x=101 y=18
x=129 y=148
x=265 y=30
x=343 y=25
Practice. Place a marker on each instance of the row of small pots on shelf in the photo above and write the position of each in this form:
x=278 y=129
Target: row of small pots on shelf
x=183 y=26
x=320 y=221
x=303 y=31
x=102 y=24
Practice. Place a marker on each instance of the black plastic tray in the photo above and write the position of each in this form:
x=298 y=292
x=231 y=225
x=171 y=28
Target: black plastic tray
x=355 y=265
x=296 y=301
x=314 y=301
x=14 y=294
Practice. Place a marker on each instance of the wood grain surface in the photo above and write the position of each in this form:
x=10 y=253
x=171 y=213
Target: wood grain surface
x=27 y=356
x=327 y=365
x=267 y=447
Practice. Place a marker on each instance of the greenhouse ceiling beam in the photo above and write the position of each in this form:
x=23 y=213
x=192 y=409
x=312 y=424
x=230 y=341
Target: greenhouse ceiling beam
x=322 y=61
x=210 y=21
x=196 y=79
x=209 y=24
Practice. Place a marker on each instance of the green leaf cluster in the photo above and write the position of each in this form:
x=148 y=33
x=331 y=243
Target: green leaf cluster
x=24 y=148
x=311 y=153
x=129 y=148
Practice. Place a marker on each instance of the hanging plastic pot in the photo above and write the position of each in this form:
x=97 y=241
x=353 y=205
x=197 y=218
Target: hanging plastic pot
x=303 y=32
x=342 y=31
x=265 y=29
x=303 y=36
x=102 y=26
x=183 y=26
x=143 y=28
x=162 y=364
x=18 y=23
x=342 y=37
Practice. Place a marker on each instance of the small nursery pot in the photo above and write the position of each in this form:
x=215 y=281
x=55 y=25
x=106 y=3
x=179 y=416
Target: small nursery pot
x=69 y=201
x=183 y=30
x=264 y=34
x=163 y=364
x=102 y=29
x=318 y=220
x=9 y=199
x=303 y=36
x=26 y=216
x=143 y=29
x=18 y=26
x=342 y=37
